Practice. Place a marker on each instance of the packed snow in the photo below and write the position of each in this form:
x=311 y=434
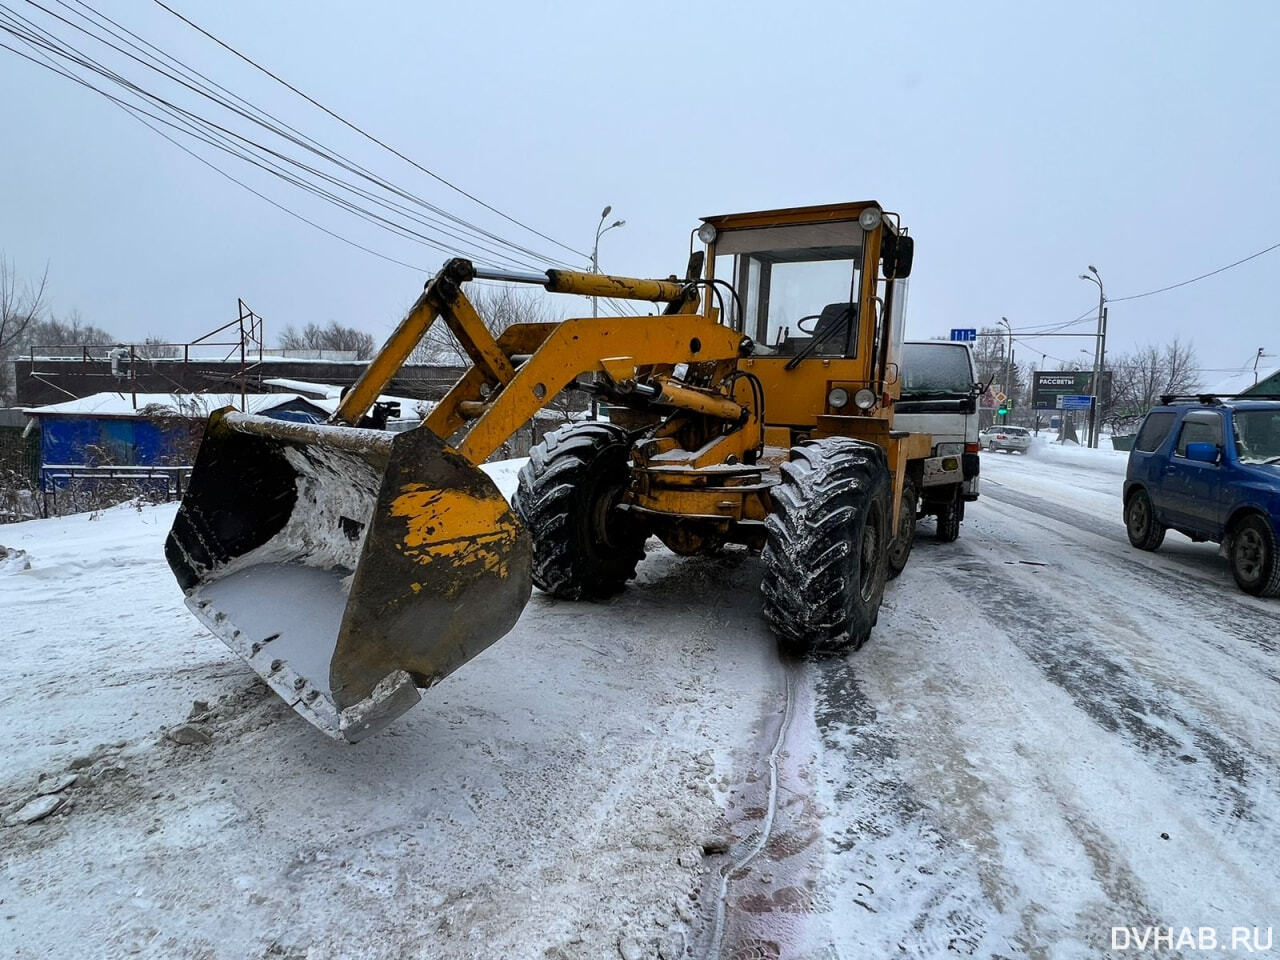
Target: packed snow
x=1050 y=737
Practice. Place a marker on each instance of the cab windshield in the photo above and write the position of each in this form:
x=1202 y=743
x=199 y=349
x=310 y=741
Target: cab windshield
x=1258 y=436
x=797 y=285
x=936 y=370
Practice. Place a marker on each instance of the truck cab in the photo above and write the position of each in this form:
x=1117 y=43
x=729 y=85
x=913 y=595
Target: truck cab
x=939 y=396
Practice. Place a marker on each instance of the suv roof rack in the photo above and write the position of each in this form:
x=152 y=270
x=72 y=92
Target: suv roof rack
x=1214 y=398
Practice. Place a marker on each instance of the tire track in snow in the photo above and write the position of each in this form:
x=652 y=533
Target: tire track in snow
x=916 y=888
x=1197 y=597
x=1086 y=659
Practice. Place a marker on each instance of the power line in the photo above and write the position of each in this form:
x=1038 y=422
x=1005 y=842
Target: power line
x=135 y=114
x=362 y=132
x=53 y=43
x=217 y=136
x=1211 y=273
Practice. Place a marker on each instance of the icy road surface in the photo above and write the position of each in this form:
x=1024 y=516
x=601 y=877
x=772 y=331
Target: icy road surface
x=1049 y=735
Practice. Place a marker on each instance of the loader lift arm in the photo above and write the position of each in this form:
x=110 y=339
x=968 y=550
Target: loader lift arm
x=410 y=557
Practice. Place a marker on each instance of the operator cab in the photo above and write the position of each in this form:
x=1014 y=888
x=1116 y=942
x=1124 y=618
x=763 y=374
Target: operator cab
x=799 y=287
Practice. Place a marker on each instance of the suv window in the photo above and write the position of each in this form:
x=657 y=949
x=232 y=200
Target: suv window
x=1199 y=428
x=1154 y=430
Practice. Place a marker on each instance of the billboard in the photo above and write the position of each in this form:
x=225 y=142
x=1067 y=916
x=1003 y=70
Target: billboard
x=1050 y=384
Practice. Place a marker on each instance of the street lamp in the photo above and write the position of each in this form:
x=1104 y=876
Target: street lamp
x=1008 y=361
x=1099 y=354
x=601 y=230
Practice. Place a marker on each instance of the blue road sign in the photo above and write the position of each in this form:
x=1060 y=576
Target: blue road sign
x=964 y=335
x=1068 y=401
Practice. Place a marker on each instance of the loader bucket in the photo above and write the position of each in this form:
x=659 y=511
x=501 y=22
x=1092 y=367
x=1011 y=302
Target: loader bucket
x=349 y=567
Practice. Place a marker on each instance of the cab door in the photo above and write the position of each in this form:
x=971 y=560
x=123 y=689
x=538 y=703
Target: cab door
x=1194 y=490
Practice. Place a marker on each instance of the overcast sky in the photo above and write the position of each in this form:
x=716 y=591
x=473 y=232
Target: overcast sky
x=1019 y=142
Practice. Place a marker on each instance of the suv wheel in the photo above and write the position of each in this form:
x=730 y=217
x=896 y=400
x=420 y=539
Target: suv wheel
x=1253 y=557
x=1145 y=532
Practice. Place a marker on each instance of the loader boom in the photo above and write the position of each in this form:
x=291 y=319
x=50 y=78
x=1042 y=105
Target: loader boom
x=761 y=417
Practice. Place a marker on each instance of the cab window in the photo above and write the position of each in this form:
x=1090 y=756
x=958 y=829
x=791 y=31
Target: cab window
x=1199 y=428
x=1154 y=431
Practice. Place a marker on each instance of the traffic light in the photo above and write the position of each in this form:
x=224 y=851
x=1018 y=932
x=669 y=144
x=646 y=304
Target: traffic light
x=1004 y=408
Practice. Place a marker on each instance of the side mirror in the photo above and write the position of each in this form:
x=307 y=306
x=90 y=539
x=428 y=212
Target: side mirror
x=896 y=255
x=1202 y=452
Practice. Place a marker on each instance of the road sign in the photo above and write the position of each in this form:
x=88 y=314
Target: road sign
x=964 y=334
x=1051 y=384
x=1000 y=398
x=1068 y=401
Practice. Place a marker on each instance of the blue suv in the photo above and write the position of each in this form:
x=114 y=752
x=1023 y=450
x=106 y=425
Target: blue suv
x=1210 y=468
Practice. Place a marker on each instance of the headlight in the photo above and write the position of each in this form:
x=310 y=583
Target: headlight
x=864 y=399
x=707 y=233
x=869 y=218
x=838 y=397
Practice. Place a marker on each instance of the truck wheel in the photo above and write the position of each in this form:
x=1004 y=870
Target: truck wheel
x=949 y=517
x=1145 y=532
x=900 y=546
x=826 y=545
x=1254 y=560
x=582 y=548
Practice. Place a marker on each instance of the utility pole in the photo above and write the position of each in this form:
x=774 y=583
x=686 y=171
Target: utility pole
x=1099 y=354
x=1008 y=365
x=601 y=229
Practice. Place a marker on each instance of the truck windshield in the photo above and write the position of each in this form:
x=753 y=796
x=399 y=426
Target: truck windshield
x=1258 y=436
x=939 y=369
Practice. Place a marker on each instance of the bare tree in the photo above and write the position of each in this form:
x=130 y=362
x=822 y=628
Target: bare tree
x=155 y=348
x=332 y=336
x=499 y=307
x=71 y=331
x=21 y=305
x=1142 y=377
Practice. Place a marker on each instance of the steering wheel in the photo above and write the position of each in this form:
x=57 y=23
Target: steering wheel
x=800 y=324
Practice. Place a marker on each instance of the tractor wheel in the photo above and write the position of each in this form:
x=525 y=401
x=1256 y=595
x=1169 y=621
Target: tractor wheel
x=1254 y=560
x=900 y=546
x=1145 y=532
x=582 y=548
x=949 y=516
x=826 y=545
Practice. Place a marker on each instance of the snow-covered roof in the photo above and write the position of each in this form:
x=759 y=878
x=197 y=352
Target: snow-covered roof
x=317 y=392
x=186 y=404
x=1240 y=382
x=327 y=396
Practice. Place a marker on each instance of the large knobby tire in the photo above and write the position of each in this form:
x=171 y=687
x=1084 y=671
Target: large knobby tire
x=826 y=546
x=949 y=516
x=900 y=545
x=583 y=549
x=1255 y=561
x=1140 y=523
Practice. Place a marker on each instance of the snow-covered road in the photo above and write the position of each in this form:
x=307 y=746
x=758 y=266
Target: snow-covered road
x=1049 y=735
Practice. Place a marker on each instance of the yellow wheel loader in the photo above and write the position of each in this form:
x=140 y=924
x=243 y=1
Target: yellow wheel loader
x=353 y=568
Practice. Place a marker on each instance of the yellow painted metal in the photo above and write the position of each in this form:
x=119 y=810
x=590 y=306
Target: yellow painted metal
x=618 y=288
x=481 y=531
x=796 y=397
x=787 y=216
x=517 y=339
x=476 y=339
x=575 y=346
x=699 y=401
x=868 y=315
x=388 y=361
